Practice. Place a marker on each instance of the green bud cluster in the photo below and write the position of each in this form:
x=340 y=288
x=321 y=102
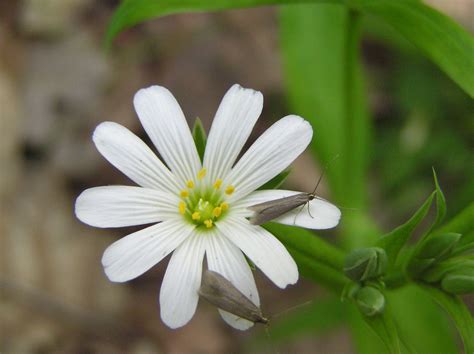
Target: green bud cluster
x=364 y=264
x=369 y=298
x=432 y=251
x=455 y=276
x=366 y=267
x=439 y=260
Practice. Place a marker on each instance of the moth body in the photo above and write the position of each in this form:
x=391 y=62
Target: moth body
x=221 y=293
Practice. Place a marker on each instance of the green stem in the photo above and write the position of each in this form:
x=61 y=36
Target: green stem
x=309 y=245
x=319 y=272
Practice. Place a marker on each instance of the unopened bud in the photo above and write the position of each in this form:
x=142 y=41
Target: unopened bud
x=365 y=263
x=370 y=301
x=459 y=282
x=439 y=246
x=432 y=251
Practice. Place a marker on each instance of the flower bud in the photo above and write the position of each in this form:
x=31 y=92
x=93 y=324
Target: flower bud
x=459 y=282
x=365 y=263
x=432 y=251
x=370 y=301
x=439 y=246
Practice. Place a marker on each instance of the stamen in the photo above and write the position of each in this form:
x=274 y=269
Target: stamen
x=224 y=206
x=201 y=173
x=182 y=207
x=217 y=183
x=208 y=223
x=196 y=215
x=184 y=193
x=230 y=189
x=217 y=212
x=190 y=184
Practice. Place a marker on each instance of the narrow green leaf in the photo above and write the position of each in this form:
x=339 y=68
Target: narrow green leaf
x=422 y=324
x=309 y=244
x=462 y=223
x=200 y=138
x=459 y=313
x=384 y=326
x=394 y=241
x=319 y=272
x=315 y=319
x=440 y=38
x=440 y=202
x=276 y=181
x=132 y=12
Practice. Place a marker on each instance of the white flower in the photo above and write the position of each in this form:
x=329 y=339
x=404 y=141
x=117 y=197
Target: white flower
x=197 y=209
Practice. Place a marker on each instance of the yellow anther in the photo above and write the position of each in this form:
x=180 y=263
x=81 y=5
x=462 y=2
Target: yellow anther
x=208 y=223
x=182 y=207
x=190 y=184
x=201 y=173
x=184 y=193
x=217 y=183
x=196 y=215
x=224 y=206
x=229 y=190
x=216 y=212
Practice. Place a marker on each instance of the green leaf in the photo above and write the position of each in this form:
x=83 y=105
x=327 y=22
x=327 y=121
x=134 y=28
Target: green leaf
x=132 y=12
x=440 y=38
x=462 y=223
x=320 y=50
x=200 y=138
x=384 y=326
x=319 y=272
x=309 y=244
x=394 y=241
x=276 y=181
x=440 y=202
x=459 y=313
x=421 y=321
x=315 y=319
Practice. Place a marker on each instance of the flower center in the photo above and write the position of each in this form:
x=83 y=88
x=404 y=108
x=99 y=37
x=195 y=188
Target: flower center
x=203 y=202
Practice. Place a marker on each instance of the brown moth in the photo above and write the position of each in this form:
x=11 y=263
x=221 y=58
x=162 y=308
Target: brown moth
x=221 y=293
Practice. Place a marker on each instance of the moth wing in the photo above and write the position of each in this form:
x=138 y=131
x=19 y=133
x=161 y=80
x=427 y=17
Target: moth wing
x=322 y=215
x=221 y=293
x=273 y=209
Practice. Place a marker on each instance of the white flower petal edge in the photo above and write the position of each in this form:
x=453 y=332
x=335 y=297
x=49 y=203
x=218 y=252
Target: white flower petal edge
x=226 y=259
x=133 y=157
x=321 y=215
x=263 y=249
x=179 y=290
x=232 y=125
x=133 y=255
x=273 y=151
x=119 y=206
x=164 y=122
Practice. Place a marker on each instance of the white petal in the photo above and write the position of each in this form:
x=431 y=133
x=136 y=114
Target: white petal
x=321 y=214
x=226 y=259
x=263 y=249
x=179 y=290
x=232 y=125
x=118 y=206
x=164 y=121
x=134 y=254
x=133 y=157
x=273 y=151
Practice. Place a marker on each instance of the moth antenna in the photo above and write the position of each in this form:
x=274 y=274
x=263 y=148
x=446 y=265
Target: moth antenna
x=323 y=172
x=292 y=308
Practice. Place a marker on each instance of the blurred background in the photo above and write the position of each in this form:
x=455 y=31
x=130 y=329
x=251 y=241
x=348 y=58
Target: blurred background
x=57 y=83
